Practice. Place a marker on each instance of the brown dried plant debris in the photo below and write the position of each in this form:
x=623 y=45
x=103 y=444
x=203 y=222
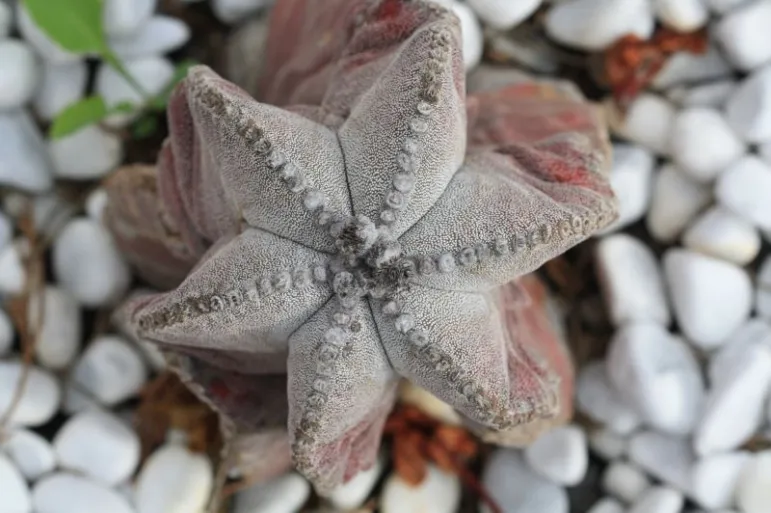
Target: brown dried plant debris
x=632 y=63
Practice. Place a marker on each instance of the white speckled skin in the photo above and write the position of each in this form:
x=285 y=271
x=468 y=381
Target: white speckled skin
x=363 y=228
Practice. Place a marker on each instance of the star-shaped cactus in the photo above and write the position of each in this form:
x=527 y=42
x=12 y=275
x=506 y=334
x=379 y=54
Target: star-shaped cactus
x=361 y=233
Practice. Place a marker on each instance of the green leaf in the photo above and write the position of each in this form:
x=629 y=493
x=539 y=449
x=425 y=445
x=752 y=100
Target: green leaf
x=75 y=24
x=78 y=115
x=123 y=108
x=145 y=127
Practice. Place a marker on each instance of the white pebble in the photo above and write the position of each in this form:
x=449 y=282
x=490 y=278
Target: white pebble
x=87 y=263
x=735 y=405
x=152 y=74
x=714 y=479
x=712 y=94
x=285 y=494
x=607 y=505
x=76 y=400
x=658 y=374
x=647 y=121
x=58 y=341
x=95 y=204
x=702 y=143
x=40 y=398
x=764 y=151
x=711 y=297
x=125 y=18
x=6 y=333
x=504 y=14
x=471 y=30
x=659 y=499
x=748 y=109
x=6 y=20
x=46 y=47
x=99 y=445
x=352 y=494
x=722 y=363
x=631 y=280
x=232 y=11
x=688 y=68
x=630 y=178
x=595 y=24
x=745 y=188
x=624 y=481
x=665 y=457
x=677 y=198
x=6 y=230
x=753 y=493
x=15 y=497
x=516 y=488
x=439 y=492
x=722 y=234
x=19 y=73
x=744 y=35
x=12 y=272
x=560 y=455
x=681 y=15
x=763 y=294
x=63 y=492
x=87 y=154
x=60 y=86
x=32 y=454
x=174 y=480
x=607 y=444
x=724 y=6
x=596 y=397
x=24 y=161
x=158 y=36
x=110 y=370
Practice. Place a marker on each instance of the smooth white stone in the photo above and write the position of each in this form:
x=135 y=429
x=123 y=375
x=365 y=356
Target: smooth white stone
x=473 y=37
x=595 y=24
x=681 y=15
x=76 y=400
x=99 y=445
x=174 y=480
x=724 y=6
x=95 y=204
x=58 y=341
x=516 y=488
x=50 y=211
x=659 y=499
x=7 y=333
x=87 y=154
x=676 y=200
x=439 y=492
x=745 y=188
x=665 y=457
x=46 y=47
x=753 y=492
x=631 y=280
x=125 y=18
x=63 y=492
x=748 y=109
x=763 y=294
x=607 y=505
x=688 y=68
x=722 y=363
x=110 y=370
x=157 y=36
x=15 y=496
x=352 y=494
x=285 y=494
x=40 y=398
x=624 y=481
x=722 y=234
x=702 y=143
x=153 y=356
x=504 y=14
x=560 y=455
x=631 y=180
x=712 y=94
x=19 y=73
x=648 y=121
x=607 y=444
x=735 y=405
x=60 y=86
x=152 y=73
x=714 y=479
x=658 y=374
x=31 y=453
x=6 y=20
x=6 y=230
x=596 y=397
x=428 y=403
x=764 y=151
x=232 y=11
x=12 y=272
x=744 y=34
x=24 y=161
x=711 y=297
x=87 y=263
